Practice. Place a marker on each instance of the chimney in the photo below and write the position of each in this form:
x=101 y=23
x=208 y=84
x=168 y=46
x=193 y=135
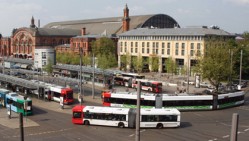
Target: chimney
x=83 y=31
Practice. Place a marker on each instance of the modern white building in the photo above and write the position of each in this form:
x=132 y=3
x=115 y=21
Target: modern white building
x=42 y=57
x=183 y=45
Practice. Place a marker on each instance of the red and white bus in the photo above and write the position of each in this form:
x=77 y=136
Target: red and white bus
x=148 y=85
x=123 y=81
x=54 y=92
x=59 y=91
x=125 y=117
x=133 y=75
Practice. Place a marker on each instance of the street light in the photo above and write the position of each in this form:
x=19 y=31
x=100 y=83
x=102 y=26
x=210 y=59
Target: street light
x=93 y=85
x=80 y=95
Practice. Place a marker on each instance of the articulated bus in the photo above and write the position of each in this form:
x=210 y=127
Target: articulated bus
x=58 y=91
x=16 y=103
x=148 y=85
x=125 y=117
x=133 y=75
x=125 y=79
x=54 y=92
x=181 y=101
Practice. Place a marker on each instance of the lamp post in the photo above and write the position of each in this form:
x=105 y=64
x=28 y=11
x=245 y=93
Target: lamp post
x=93 y=78
x=240 y=74
x=80 y=96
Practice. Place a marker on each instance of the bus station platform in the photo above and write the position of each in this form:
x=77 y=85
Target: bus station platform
x=14 y=121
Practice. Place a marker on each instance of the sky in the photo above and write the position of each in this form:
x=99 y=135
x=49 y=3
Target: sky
x=229 y=15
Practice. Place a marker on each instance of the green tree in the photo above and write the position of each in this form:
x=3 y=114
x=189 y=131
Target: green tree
x=215 y=65
x=49 y=67
x=170 y=66
x=154 y=62
x=138 y=63
x=105 y=51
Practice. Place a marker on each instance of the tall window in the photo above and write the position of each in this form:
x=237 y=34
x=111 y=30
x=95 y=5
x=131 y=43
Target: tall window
x=142 y=47
x=176 y=49
x=136 y=45
x=148 y=47
x=163 y=48
x=198 y=49
x=168 y=48
x=43 y=55
x=192 y=47
x=157 y=46
x=183 y=49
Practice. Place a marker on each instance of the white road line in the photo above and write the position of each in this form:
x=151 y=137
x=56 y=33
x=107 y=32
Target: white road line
x=226 y=136
x=134 y=134
x=246 y=129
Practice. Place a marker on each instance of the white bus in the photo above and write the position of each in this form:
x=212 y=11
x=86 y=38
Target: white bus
x=125 y=117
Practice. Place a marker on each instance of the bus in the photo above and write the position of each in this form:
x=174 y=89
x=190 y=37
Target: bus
x=182 y=102
x=54 y=92
x=59 y=91
x=17 y=103
x=133 y=75
x=3 y=93
x=123 y=81
x=125 y=117
x=148 y=85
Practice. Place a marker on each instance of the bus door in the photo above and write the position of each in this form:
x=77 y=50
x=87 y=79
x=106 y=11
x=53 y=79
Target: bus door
x=2 y=100
x=132 y=118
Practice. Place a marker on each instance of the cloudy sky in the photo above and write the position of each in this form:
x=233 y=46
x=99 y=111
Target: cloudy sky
x=230 y=15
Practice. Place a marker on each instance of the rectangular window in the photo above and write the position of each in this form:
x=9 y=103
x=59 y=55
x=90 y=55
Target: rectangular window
x=43 y=55
x=192 y=45
x=183 y=49
x=131 y=44
x=142 y=44
x=163 y=48
x=176 y=48
x=168 y=48
x=143 y=50
x=191 y=52
x=44 y=62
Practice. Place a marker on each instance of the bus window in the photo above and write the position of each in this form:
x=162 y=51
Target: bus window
x=76 y=114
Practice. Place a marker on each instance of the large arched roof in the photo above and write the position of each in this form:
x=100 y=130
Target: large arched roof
x=114 y=25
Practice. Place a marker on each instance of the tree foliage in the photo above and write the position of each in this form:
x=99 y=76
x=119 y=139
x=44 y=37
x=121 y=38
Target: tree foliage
x=215 y=65
x=170 y=66
x=105 y=51
x=154 y=62
x=49 y=67
x=138 y=63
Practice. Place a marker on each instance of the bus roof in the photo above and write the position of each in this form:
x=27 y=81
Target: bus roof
x=4 y=91
x=110 y=110
x=165 y=97
x=14 y=95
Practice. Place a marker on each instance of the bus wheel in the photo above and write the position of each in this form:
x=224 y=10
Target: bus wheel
x=86 y=122
x=149 y=90
x=121 y=125
x=159 y=126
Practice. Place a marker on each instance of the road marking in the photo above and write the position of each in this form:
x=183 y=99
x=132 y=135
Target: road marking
x=39 y=133
x=246 y=129
x=134 y=134
x=226 y=136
